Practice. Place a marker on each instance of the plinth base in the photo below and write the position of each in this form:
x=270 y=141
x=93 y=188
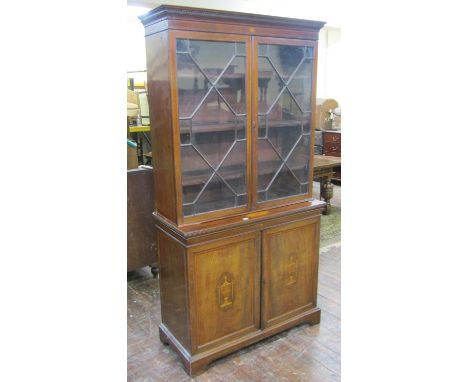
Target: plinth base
x=198 y=363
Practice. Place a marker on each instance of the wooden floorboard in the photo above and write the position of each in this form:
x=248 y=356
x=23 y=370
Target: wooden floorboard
x=305 y=353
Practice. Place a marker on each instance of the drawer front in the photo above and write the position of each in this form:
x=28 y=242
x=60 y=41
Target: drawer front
x=333 y=149
x=225 y=288
x=332 y=137
x=289 y=266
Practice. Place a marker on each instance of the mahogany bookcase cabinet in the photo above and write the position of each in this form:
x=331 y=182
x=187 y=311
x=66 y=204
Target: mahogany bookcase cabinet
x=232 y=98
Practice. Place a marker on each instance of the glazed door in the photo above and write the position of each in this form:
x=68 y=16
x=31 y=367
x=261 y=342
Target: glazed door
x=289 y=270
x=283 y=100
x=213 y=114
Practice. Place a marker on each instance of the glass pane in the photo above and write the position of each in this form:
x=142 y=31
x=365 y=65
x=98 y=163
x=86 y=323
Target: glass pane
x=185 y=130
x=285 y=184
x=240 y=128
x=233 y=168
x=284 y=104
x=216 y=196
x=231 y=85
x=306 y=123
x=212 y=56
x=188 y=210
x=191 y=83
x=284 y=124
x=261 y=196
x=262 y=126
x=182 y=46
x=262 y=50
x=241 y=200
x=240 y=48
x=211 y=87
x=285 y=58
x=213 y=129
x=268 y=163
x=298 y=161
x=195 y=173
x=301 y=85
x=269 y=85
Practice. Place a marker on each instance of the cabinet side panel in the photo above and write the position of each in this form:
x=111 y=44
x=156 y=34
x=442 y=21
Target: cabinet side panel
x=159 y=95
x=173 y=285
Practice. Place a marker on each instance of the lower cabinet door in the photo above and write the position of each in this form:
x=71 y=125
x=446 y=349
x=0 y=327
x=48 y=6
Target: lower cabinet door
x=225 y=290
x=289 y=270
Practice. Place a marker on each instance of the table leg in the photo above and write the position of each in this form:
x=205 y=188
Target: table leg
x=326 y=192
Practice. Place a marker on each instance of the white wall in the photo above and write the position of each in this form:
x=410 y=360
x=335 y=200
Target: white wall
x=329 y=64
x=323 y=10
x=135 y=39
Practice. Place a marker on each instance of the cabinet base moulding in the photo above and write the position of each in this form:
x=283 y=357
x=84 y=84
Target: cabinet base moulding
x=197 y=363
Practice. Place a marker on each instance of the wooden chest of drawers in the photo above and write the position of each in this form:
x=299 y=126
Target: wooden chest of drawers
x=332 y=143
x=332 y=147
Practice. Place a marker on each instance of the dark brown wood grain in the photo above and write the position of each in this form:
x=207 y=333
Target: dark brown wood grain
x=160 y=109
x=332 y=149
x=332 y=136
x=221 y=266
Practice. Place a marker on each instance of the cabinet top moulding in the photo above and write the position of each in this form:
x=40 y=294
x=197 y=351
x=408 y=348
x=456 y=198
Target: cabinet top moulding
x=186 y=18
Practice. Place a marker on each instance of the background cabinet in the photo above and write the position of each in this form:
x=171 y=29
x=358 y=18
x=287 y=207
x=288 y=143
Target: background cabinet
x=332 y=147
x=231 y=103
x=332 y=143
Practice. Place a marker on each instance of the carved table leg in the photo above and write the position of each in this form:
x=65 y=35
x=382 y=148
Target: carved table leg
x=326 y=192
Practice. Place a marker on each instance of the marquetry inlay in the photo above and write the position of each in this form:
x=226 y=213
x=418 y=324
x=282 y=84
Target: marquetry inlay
x=225 y=291
x=291 y=269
